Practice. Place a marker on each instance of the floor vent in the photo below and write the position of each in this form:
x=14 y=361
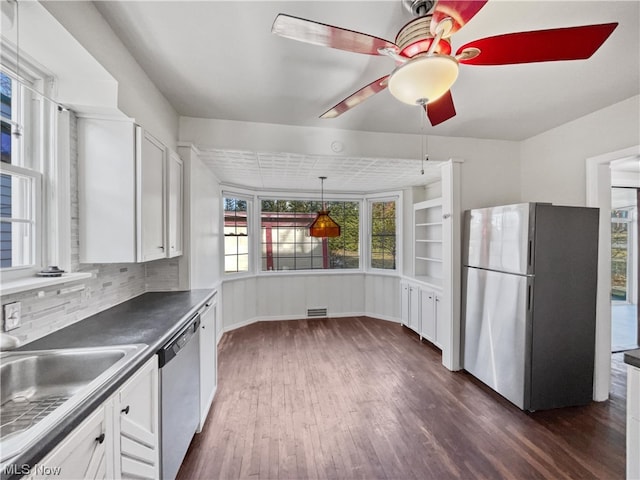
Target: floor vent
x=317 y=312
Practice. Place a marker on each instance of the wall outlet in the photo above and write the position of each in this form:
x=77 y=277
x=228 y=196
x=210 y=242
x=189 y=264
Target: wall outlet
x=11 y=316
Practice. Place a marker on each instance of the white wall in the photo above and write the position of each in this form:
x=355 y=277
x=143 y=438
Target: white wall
x=288 y=296
x=553 y=163
x=490 y=173
x=554 y=169
x=138 y=97
x=202 y=221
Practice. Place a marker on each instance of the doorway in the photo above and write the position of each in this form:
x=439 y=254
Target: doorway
x=599 y=177
x=625 y=329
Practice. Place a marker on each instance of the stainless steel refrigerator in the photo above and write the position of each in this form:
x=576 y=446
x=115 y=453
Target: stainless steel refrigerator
x=529 y=302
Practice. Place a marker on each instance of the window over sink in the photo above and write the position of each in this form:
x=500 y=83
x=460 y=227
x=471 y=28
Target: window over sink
x=30 y=171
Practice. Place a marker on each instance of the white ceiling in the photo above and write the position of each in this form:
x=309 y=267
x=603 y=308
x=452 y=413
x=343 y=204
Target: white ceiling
x=219 y=59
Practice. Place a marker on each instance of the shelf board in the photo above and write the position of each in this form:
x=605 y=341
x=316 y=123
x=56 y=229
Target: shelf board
x=429 y=259
x=427 y=204
x=432 y=281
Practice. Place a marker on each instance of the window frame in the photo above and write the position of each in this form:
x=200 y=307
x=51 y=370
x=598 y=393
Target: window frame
x=308 y=197
x=49 y=166
x=250 y=229
x=379 y=198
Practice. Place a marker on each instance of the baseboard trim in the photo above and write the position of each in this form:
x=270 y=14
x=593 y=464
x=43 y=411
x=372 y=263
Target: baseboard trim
x=251 y=321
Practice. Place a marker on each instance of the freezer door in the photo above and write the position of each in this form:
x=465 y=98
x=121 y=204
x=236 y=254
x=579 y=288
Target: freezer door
x=497 y=238
x=495 y=331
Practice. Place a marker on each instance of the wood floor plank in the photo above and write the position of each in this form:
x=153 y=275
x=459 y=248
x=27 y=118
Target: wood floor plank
x=360 y=398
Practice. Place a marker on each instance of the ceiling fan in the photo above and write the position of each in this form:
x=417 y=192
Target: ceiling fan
x=425 y=68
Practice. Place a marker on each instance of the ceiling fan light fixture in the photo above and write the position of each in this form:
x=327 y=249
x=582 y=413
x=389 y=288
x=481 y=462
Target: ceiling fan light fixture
x=423 y=79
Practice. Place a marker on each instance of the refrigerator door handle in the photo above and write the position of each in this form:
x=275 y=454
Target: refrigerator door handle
x=529 y=259
x=529 y=298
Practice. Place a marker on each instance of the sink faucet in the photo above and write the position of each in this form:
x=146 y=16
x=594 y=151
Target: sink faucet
x=8 y=342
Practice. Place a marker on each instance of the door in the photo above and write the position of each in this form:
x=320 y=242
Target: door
x=404 y=303
x=427 y=308
x=625 y=257
x=151 y=221
x=175 y=203
x=414 y=309
x=498 y=238
x=138 y=421
x=208 y=358
x=495 y=331
x=83 y=453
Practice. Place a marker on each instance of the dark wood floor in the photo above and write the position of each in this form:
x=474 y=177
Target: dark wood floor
x=363 y=398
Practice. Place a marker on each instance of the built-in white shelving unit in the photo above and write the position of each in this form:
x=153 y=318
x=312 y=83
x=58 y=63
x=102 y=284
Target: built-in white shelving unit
x=427 y=241
x=430 y=294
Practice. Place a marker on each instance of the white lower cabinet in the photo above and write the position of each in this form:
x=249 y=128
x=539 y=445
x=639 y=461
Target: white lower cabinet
x=136 y=424
x=86 y=453
x=119 y=440
x=633 y=423
x=410 y=306
x=428 y=308
x=420 y=311
x=208 y=357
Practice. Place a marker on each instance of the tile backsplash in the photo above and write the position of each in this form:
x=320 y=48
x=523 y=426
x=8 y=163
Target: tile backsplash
x=46 y=310
x=49 y=309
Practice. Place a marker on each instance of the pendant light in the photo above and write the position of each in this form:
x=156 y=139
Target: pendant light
x=324 y=226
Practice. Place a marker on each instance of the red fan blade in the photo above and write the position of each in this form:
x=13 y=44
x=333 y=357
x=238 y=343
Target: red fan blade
x=357 y=98
x=571 y=43
x=441 y=110
x=327 y=35
x=459 y=11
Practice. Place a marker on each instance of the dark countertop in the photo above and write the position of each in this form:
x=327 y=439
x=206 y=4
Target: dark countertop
x=632 y=357
x=151 y=318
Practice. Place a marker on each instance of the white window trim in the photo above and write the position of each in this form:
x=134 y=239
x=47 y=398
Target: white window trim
x=21 y=271
x=310 y=197
x=385 y=197
x=250 y=199
x=53 y=188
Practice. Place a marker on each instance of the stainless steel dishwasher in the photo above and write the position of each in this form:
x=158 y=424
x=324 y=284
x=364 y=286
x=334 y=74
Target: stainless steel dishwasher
x=179 y=362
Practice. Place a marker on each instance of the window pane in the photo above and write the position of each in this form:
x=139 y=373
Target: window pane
x=619 y=254
x=286 y=244
x=236 y=235
x=5 y=109
x=16 y=212
x=17 y=244
x=383 y=235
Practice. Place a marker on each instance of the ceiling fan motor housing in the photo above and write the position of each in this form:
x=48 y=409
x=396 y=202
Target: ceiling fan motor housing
x=416 y=38
x=417 y=8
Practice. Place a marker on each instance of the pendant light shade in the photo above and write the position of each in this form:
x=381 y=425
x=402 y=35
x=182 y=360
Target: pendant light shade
x=324 y=226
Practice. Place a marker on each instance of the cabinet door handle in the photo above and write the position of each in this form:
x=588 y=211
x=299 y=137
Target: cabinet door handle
x=161 y=247
x=125 y=410
x=100 y=439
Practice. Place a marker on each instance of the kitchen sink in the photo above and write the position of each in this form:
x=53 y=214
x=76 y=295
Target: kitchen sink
x=39 y=388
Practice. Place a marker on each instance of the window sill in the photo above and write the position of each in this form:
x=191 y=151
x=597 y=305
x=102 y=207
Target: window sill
x=32 y=283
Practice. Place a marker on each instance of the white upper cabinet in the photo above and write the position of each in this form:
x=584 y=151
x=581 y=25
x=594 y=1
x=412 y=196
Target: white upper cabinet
x=175 y=201
x=126 y=193
x=151 y=174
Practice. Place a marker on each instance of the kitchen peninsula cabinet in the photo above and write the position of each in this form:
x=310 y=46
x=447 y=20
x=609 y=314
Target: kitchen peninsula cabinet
x=136 y=421
x=126 y=193
x=86 y=453
x=120 y=439
x=208 y=357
